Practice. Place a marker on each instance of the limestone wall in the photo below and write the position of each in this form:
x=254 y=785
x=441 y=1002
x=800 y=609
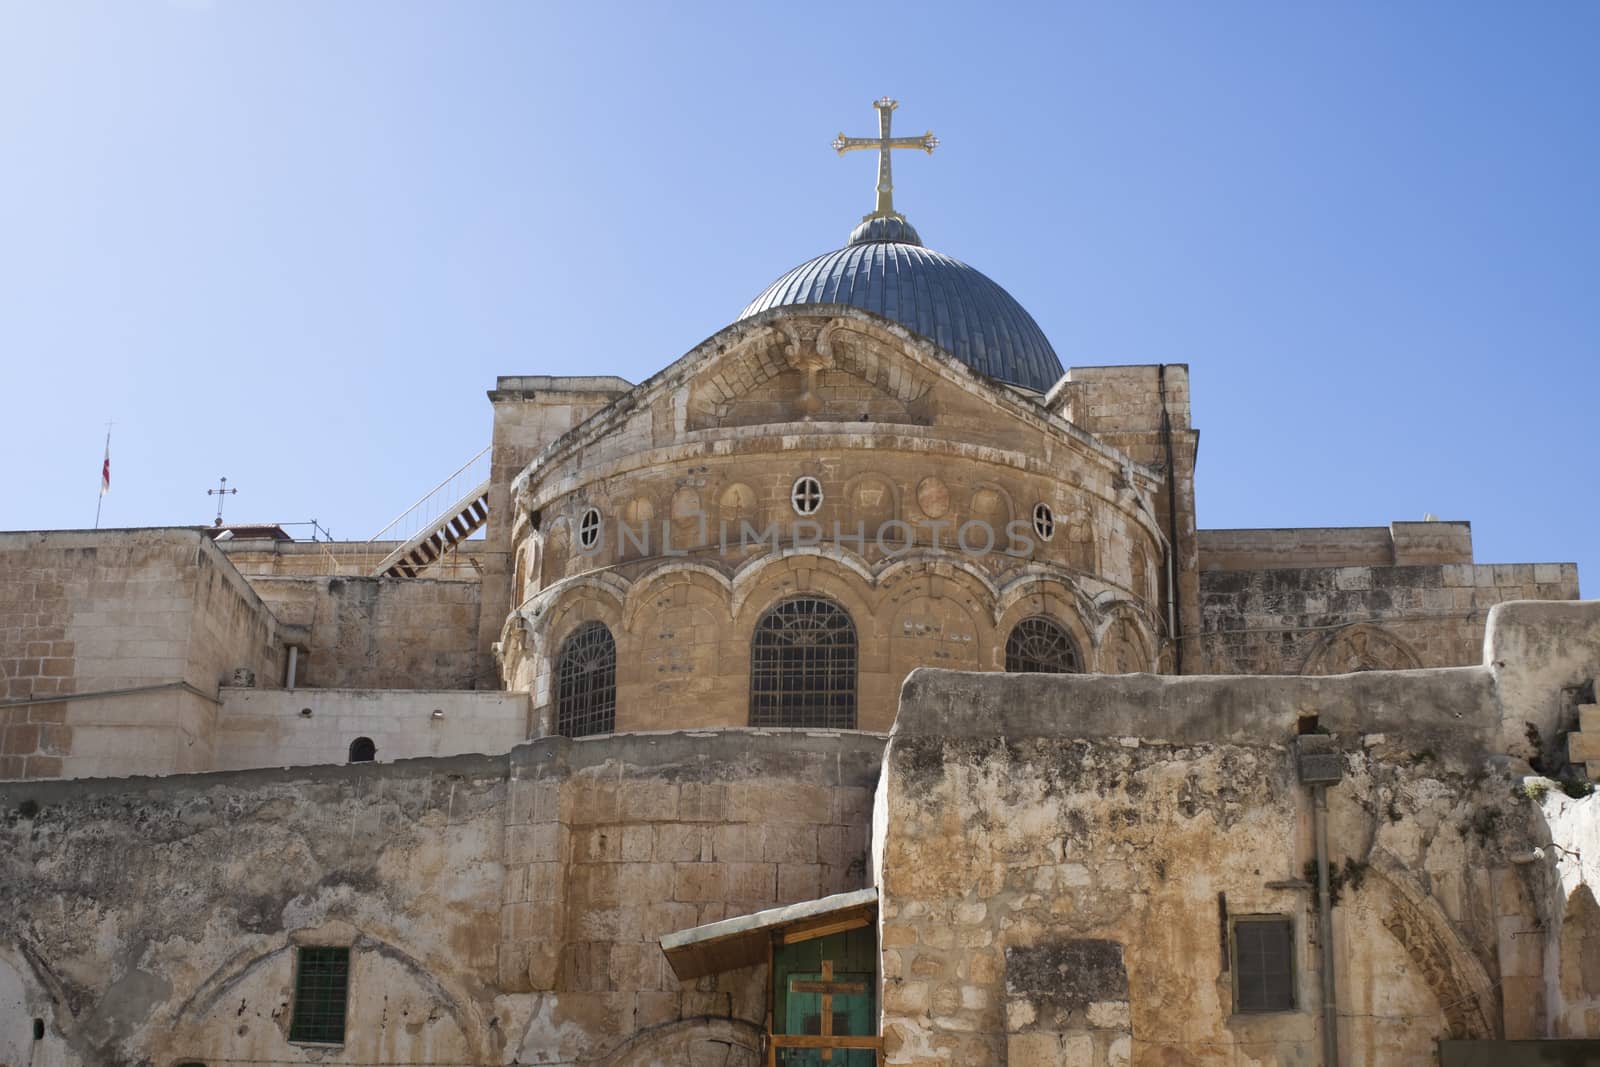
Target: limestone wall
x=305 y=727
x=378 y=633
x=134 y=630
x=1328 y=619
x=498 y=910
x=339 y=559
x=1061 y=859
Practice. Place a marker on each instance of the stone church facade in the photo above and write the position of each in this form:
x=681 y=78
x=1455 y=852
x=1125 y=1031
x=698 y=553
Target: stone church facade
x=858 y=689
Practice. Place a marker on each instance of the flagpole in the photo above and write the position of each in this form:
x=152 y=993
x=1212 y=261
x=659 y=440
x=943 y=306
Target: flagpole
x=104 y=485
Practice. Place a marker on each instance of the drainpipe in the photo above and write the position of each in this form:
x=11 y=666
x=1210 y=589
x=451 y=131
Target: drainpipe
x=1172 y=521
x=294 y=663
x=1330 y=1005
x=1320 y=765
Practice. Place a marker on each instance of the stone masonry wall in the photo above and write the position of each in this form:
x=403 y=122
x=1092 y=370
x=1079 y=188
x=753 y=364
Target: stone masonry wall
x=1116 y=827
x=304 y=727
x=378 y=633
x=498 y=910
x=87 y=616
x=1326 y=620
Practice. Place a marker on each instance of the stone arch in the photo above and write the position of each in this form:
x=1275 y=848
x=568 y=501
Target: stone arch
x=992 y=504
x=737 y=503
x=680 y=662
x=1579 y=974
x=1051 y=597
x=252 y=993
x=1082 y=543
x=648 y=585
x=557 y=550
x=836 y=572
x=697 y=1042
x=1360 y=647
x=1122 y=645
x=691 y=525
x=639 y=515
x=872 y=501
x=570 y=605
x=1454 y=976
x=937 y=613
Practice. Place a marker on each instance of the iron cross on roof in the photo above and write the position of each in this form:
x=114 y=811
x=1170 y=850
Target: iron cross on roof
x=884 y=143
x=221 y=493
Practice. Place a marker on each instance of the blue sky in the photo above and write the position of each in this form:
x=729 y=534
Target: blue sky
x=294 y=243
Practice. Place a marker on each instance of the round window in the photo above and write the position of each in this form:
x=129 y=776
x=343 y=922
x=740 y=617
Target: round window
x=806 y=496
x=589 y=528
x=1044 y=521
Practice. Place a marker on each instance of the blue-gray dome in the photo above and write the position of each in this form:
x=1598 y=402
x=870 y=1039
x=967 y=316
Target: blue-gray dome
x=951 y=304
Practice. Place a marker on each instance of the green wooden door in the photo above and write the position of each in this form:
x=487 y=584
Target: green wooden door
x=850 y=979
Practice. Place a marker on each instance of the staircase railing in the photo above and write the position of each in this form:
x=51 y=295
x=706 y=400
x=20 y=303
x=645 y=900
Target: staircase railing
x=427 y=511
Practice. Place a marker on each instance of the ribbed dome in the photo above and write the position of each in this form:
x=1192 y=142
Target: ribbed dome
x=951 y=304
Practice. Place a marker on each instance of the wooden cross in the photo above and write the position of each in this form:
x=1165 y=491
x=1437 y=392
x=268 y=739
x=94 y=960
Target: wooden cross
x=884 y=143
x=829 y=989
x=220 y=493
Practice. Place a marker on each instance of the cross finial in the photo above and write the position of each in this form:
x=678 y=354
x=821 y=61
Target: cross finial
x=221 y=493
x=884 y=144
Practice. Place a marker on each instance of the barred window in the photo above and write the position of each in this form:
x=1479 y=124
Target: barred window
x=321 y=989
x=586 y=682
x=1263 y=963
x=1041 y=646
x=803 y=666
x=362 y=750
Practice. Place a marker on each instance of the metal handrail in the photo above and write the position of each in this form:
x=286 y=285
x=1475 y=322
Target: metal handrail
x=429 y=495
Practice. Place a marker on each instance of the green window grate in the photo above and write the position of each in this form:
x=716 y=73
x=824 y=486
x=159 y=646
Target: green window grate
x=321 y=988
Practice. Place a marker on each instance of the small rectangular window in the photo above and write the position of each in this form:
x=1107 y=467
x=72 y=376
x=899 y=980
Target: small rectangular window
x=1263 y=964
x=321 y=988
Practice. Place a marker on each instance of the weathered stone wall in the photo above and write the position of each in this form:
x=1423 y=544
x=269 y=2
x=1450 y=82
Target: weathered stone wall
x=305 y=727
x=1116 y=825
x=498 y=909
x=260 y=557
x=378 y=633
x=88 y=616
x=1144 y=410
x=530 y=411
x=1326 y=601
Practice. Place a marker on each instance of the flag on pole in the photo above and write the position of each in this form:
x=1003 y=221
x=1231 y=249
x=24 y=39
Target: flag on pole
x=105 y=469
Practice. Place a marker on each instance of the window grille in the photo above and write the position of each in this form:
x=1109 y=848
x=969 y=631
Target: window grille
x=362 y=750
x=803 y=666
x=806 y=496
x=321 y=990
x=1041 y=646
x=586 y=682
x=1044 y=521
x=1263 y=964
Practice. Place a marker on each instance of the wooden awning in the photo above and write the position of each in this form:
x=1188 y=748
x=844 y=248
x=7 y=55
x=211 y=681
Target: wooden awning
x=746 y=939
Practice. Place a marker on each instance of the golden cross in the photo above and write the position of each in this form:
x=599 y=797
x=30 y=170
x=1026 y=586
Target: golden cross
x=884 y=143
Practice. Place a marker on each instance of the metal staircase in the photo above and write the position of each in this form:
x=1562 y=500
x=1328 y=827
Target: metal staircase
x=447 y=514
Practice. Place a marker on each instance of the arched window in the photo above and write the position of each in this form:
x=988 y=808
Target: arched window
x=586 y=682
x=803 y=666
x=1041 y=646
x=362 y=750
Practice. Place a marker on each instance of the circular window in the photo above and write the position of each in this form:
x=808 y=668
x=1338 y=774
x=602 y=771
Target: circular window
x=806 y=496
x=1044 y=521
x=589 y=528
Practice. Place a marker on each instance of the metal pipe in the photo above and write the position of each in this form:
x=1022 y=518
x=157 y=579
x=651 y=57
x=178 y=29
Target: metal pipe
x=294 y=662
x=1330 y=1005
